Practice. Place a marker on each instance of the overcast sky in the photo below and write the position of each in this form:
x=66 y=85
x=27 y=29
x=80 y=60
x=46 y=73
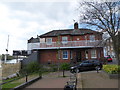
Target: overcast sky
x=23 y=20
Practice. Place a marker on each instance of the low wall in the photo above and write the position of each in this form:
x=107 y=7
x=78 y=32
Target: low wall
x=26 y=84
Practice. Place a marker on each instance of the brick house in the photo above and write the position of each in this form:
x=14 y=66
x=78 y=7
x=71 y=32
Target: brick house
x=70 y=45
x=108 y=48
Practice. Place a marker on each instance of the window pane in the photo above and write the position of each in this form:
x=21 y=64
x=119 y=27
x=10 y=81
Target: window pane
x=49 y=40
x=93 y=53
x=65 y=54
x=64 y=39
x=92 y=37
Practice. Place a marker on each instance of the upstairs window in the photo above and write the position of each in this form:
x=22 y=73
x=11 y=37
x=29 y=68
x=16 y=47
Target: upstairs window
x=49 y=41
x=92 y=37
x=64 y=39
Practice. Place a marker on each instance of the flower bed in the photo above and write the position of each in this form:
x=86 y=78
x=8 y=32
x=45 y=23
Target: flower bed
x=113 y=71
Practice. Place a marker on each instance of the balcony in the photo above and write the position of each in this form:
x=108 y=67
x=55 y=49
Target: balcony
x=72 y=44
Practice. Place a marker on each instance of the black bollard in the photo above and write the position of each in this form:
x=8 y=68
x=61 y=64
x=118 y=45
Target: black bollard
x=26 y=77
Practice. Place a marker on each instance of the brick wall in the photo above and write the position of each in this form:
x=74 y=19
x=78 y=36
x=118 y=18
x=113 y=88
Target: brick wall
x=77 y=38
x=51 y=56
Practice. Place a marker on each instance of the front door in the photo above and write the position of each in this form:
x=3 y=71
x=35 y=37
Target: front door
x=78 y=56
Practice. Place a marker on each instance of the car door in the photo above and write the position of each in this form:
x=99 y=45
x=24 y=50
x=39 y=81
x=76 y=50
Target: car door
x=84 y=65
x=89 y=65
x=92 y=64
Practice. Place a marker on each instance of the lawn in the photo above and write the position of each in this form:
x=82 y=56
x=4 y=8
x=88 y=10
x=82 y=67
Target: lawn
x=7 y=86
x=17 y=82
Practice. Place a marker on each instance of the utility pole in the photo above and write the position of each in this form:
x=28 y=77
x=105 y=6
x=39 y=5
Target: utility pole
x=6 y=49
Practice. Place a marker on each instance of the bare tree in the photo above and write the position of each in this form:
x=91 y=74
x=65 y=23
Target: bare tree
x=104 y=16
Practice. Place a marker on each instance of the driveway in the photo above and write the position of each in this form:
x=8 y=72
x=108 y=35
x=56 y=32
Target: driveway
x=52 y=80
x=92 y=79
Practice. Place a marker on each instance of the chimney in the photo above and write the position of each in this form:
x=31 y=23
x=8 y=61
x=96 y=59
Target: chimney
x=75 y=25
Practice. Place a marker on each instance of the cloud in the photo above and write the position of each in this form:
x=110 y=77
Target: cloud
x=23 y=20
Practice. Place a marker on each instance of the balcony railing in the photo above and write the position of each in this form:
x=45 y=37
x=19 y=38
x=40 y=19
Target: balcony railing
x=83 y=43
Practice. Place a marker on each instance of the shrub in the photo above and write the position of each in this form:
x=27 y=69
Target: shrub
x=65 y=66
x=30 y=68
x=112 y=69
x=53 y=67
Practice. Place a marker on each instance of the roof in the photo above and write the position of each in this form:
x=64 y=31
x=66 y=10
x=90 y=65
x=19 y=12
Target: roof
x=81 y=31
x=33 y=40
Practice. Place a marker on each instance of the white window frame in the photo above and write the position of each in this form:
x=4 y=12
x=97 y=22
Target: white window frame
x=65 y=53
x=93 y=53
x=49 y=41
x=64 y=39
x=92 y=37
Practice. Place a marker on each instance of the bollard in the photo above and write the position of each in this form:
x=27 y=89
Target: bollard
x=40 y=73
x=97 y=68
x=26 y=77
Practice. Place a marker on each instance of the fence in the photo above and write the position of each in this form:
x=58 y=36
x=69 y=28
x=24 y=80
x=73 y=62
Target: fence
x=9 y=69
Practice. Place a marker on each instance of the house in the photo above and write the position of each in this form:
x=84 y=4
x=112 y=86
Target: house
x=32 y=43
x=108 y=48
x=69 y=45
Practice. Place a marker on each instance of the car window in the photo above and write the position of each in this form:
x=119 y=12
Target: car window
x=85 y=62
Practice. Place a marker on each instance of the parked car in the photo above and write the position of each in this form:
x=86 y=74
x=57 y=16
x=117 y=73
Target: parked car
x=86 y=65
x=109 y=59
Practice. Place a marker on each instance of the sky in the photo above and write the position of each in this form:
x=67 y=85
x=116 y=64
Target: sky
x=22 y=20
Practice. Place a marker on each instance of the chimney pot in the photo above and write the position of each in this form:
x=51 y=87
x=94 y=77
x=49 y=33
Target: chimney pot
x=75 y=25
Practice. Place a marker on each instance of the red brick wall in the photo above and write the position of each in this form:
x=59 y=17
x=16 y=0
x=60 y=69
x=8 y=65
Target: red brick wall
x=78 y=37
x=74 y=38
x=52 y=55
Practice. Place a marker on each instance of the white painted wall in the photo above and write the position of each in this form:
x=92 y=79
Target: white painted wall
x=31 y=46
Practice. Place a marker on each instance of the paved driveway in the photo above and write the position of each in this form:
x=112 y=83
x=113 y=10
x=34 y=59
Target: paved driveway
x=52 y=80
x=92 y=79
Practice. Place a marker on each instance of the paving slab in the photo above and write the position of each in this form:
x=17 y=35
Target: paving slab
x=92 y=79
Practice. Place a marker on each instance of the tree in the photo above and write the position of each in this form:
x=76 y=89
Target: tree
x=103 y=16
x=64 y=66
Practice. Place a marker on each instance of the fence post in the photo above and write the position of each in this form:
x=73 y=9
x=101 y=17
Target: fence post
x=40 y=73
x=26 y=77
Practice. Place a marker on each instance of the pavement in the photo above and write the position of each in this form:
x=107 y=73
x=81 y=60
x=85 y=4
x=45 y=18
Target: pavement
x=92 y=79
